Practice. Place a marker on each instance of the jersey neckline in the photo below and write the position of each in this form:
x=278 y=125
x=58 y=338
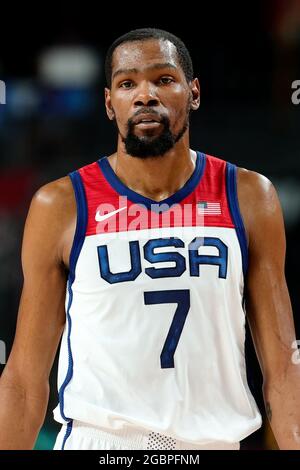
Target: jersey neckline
x=151 y=204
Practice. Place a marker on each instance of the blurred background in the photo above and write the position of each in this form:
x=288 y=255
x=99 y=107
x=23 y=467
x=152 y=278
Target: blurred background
x=246 y=55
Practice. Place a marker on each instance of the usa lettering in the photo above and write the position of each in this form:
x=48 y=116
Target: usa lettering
x=191 y=260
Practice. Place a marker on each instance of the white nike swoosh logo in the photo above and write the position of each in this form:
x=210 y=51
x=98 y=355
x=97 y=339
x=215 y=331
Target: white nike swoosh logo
x=100 y=218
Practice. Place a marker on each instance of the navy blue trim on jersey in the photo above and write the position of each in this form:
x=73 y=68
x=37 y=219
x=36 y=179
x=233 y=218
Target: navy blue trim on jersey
x=160 y=206
x=68 y=433
x=232 y=198
x=81 y=224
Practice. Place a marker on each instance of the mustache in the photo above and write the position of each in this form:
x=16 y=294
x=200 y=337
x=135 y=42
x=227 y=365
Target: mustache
x=145 y=110
x=161 y=117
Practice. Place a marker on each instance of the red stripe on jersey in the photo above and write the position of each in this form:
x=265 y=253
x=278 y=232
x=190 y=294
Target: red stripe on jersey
x=106 y=205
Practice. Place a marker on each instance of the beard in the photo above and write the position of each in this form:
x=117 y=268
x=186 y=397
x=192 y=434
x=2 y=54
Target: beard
x=152 y=146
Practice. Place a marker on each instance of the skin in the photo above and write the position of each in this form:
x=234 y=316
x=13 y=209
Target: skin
x=49 y=233
x=156 y=178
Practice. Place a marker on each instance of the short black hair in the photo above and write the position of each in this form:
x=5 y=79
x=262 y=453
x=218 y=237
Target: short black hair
x=143 y=34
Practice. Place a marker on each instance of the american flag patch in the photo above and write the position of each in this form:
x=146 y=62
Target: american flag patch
x=209 y=208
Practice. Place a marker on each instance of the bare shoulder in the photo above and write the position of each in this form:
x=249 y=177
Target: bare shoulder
x=56 y=193
x=258 y=201
x=56 y=198
x=52 y=217
x=255 y=186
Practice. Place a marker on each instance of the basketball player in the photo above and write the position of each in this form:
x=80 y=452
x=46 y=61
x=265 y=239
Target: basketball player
x=145 y=260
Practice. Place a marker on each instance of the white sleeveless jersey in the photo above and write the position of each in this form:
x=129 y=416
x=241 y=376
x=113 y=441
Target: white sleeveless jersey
x=155 y=326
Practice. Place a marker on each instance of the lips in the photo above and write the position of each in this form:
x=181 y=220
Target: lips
x=146 y=119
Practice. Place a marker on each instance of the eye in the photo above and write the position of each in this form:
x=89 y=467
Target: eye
x=166 y=80
x=126 y=84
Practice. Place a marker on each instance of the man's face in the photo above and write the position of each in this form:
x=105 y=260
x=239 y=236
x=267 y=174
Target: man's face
x=149 y=98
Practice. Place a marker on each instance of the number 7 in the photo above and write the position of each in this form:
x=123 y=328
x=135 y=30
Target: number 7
x=182 y=298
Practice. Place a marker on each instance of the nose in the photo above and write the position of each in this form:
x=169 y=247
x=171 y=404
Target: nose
x=146 y=95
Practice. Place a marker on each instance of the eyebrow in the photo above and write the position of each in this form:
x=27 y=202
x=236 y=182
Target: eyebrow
x=157 y=66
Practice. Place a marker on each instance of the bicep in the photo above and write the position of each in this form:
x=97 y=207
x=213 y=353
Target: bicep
x=41 y=315
x=268 y=305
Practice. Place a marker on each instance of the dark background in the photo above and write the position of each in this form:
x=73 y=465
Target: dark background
x=246 y=55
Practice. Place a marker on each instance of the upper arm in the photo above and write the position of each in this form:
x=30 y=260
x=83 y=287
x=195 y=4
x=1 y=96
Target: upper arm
x=268 y=305
x=41 y=315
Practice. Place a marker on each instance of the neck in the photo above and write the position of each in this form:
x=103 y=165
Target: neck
x=156 y=178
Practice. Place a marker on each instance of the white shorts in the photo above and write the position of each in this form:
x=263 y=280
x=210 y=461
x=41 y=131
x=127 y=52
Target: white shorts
x=80 y=436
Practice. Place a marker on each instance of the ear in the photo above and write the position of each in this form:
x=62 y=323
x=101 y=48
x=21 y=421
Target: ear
x=109 y=109
x=195 y=90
